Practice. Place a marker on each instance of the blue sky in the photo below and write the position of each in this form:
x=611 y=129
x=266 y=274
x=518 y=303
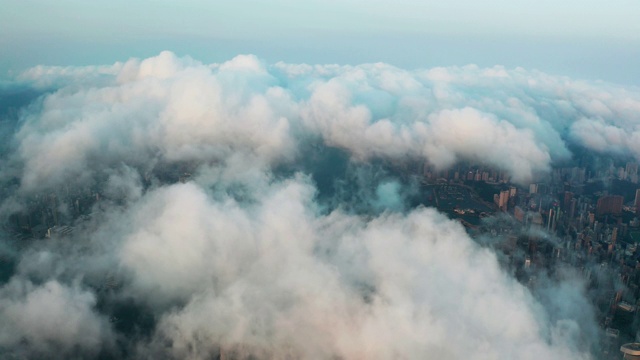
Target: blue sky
x=584 y=39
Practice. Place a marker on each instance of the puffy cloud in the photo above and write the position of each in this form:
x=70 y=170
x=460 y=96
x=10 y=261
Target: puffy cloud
x=51 y=319
x=279 y=279
x=166 y=111
x=182 y=242
x=607 y=138
x=176 y=109
x=470 y=134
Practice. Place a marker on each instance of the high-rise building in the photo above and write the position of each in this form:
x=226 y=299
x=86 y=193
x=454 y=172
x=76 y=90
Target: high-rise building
x=631 y=351
x=636 y=203
x=578 y=175
x=503 y=200
x=566 y=204
x=572 y=208
x=518 y=213
x=609 y=205
x=631 y=169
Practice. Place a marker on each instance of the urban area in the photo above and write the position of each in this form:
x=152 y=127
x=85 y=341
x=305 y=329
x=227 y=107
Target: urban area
x=579 y=218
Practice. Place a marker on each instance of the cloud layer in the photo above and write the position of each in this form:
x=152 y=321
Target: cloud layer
x=176 y=109
x=50 y=318
x=303 y=285
x=244 y=257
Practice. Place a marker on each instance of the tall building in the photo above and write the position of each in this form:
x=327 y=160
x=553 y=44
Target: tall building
x=578 y=175
x=503 y=200
x=566 y=204
x=518 y=213
x=631 y=351
x=621 y=173
x=631 y=169
x=572 y=208
x=609 y=205
x=636 y=203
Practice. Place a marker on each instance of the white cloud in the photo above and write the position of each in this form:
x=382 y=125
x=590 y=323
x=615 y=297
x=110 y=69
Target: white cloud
x=277 y=279
x=49 y=319
x=175 y=109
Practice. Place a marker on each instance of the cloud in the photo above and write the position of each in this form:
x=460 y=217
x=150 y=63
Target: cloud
x=278 y=279
x=49 y=319
x=257 y=209
x=598 y=135
x=157 y=109
x=177 y=109
x=472 y=135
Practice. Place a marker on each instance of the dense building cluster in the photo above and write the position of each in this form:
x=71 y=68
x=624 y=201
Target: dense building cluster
x=577 y=218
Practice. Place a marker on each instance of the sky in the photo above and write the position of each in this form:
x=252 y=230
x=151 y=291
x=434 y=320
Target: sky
x=593 y=40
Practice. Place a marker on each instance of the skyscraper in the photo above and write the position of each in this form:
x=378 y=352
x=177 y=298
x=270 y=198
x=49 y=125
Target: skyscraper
x=609 y=205
x=631 y=351
x=631 y=169
x=504 y=200
x=566 y=204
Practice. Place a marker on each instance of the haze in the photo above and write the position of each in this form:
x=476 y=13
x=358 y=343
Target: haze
x=583 y=39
